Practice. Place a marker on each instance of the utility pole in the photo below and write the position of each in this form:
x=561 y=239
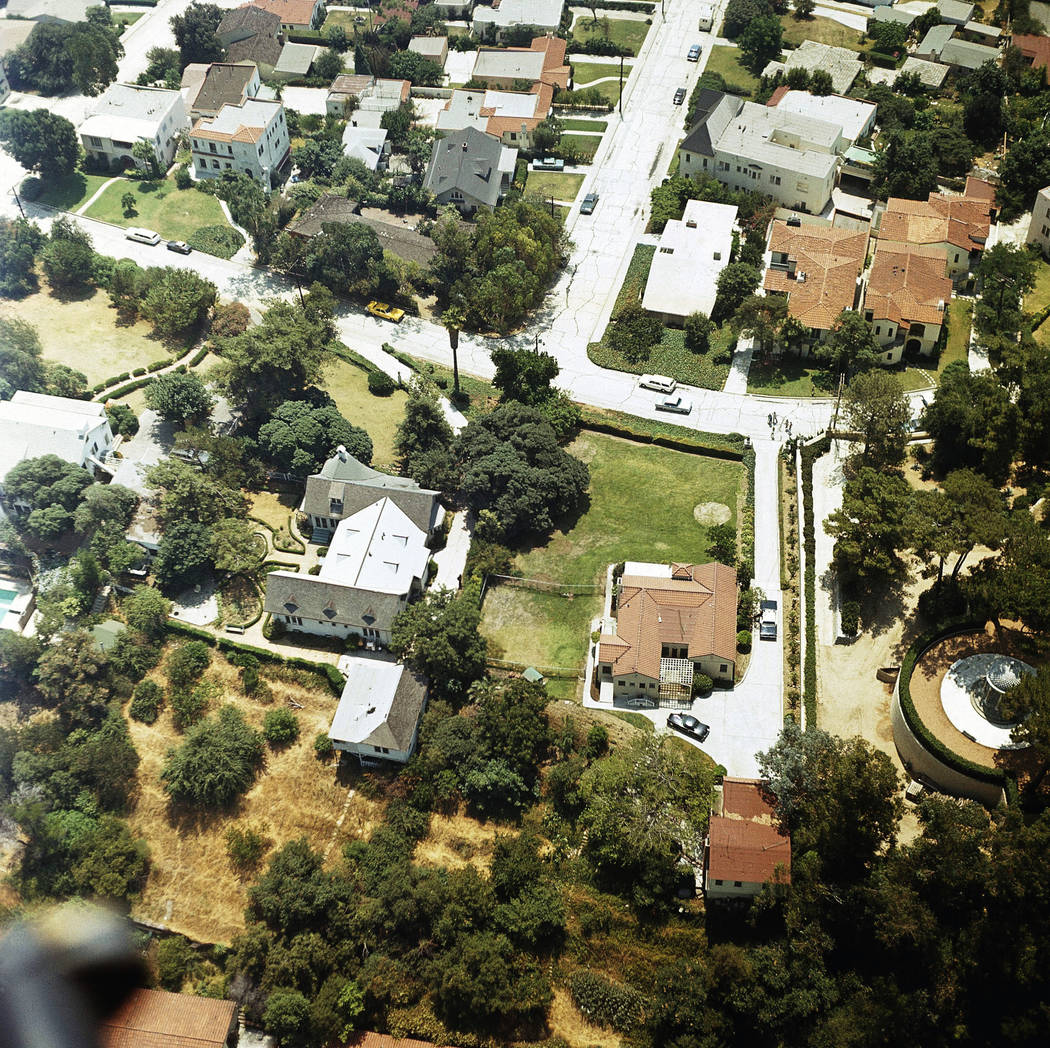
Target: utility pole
x=552 y=205
x=620 y=99
x=18 y=201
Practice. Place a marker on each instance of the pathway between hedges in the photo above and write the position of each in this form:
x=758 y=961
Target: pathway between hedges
x=105 y=394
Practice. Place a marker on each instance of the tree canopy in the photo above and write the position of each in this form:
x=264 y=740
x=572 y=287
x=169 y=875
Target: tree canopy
x=40 y=140
x=302 y=435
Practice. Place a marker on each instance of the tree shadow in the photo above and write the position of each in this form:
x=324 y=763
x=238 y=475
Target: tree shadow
x=76 y=293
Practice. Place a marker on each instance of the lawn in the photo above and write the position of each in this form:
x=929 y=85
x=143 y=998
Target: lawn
x=68 y=192
x=790 y=377
x=550 y=630
x=585 y=145
x=584 y=74
x=822 y=30
x=1039 y=297
x=174 y=213
x=127 y=18
x=379 y=416
x=624 y=32
x=557 y=184
x=724 y=60
x=83 y=334
x=957 y=347
x=578 y=124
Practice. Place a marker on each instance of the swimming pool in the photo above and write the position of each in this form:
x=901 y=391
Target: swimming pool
x=7 y=598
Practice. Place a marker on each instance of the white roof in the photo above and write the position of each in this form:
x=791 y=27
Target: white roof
x=464 y=108
x=364 y=144
x=428 y=46
x=129 y=112
x=377 y=549
x=518 y=64
x=296 y=58
x=58 y=10
x=545 y=14
x=766 y=135
x=852 y=115
x=366 y=700
x=840 y=62
x=254 y=113
x=34 y=424
x=646 y=569
x=693 y=251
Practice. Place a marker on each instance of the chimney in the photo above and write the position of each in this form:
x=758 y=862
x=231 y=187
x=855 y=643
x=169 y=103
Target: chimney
x=464 y=145
x=341 y=452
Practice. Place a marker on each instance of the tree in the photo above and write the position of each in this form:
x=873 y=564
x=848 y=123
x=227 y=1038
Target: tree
x=888 y=37
x=40 y=140
x=740 y=13
x=328 y=64
x=51 y=488
x=216 y=763
x=512 y=724
x=179 y=301
x=736 y=281
x=184 y=555
x=453 y=319
x=634 y=332
x=280 y=727
x=760 y=317
x=698 y=328
x=761 y=41
x=179 y=397
x=235 y=545
x=851 y=347
x=287 y=1016
x=194 y=32
x=440 y=637
x=398 y=122
x=524 y=375
x=190 y=494
x=127 y=203
x=59 y=57
x=122 y=420
x=21 y=364
x=803 y=8
x=424 y=442
x=820 y=83
x=69 y=257
x=300 y=437
x=147 y=611
x=546 y=136
x=905 y=166
x=19 y=242
x=1023 y=172
x=1006 y=273
x=146 y=159
x=73 y=677
x=410 y=65
x=874 y=405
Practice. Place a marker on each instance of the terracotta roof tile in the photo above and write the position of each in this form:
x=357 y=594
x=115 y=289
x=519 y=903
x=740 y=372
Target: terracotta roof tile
x=907 y=286
x=158 y=1019
x=746 y=798
x=382 y=1040
x=291 y=12
x=962 y=221
x=1036 y=49
x=748 y=851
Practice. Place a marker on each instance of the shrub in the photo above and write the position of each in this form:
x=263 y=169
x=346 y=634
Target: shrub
x=229 y=320
x=188 y=705
x=604 y=1002
x=245 y=848
x=850 y=618
x=280 y=727
x=380 y=384
x=702 y=684
x=743 y=641
x=183 y=180
x=323 y=746
x=221 y=241
x=176 y=962
x=145 y=706
x=186 y=663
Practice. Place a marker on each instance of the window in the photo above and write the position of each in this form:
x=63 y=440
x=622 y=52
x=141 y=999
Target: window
x=687 y=158
x=775 y=179
x=619 y=683
x=723 y=668
x=1046 y=231
x=211 y=146
x=215 y=164
x=889 y=356
x=607 y=671
x=869 y=315
x=705 y=163
x=228 y=165
x=878 y=330
x=718 y=880
x=738 y=884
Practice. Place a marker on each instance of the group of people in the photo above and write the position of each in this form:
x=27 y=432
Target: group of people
x=773 y=421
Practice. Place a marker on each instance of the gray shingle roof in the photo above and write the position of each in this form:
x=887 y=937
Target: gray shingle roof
x=714 y=111
x=467 y=160
x=395 y=696
x=242 y=21
x=311 y=597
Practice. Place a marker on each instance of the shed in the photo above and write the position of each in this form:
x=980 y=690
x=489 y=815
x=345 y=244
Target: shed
x=533 y=675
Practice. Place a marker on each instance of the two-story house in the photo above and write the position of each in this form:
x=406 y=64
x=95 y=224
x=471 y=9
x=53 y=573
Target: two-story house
x=128 y=113
x=206 y=88
x=251 y=34
x=470 y=169
x=511 y=116
x=542 y=62
x=490 y=22
x=250 y=139
x=295 y=15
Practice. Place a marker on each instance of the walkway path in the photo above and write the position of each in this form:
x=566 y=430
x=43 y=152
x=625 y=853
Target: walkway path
x=453 y=558
x=736 y=380
x=94 y=196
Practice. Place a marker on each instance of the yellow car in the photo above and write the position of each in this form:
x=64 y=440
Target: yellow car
x=385 y=312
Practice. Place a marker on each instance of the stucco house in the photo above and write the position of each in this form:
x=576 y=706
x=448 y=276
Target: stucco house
x=1039 y=228
x=207 y=87
x=470 y=169
x=295 y=15
x=510 y=116
x=128 y=113
x=251 y=139
x=672 y=621
x=542 y=62
x=745 y=848
x=841 y=63
x=68 y=11
x=432 y=48
x=491 y=22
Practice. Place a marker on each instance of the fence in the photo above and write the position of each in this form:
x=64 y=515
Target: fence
x=562 y=672
x=566 y=589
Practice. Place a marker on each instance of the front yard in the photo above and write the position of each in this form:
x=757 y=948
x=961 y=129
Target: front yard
x=68 y=192
x=624 y=32
x=557 y=184
x=176 y=214
x=587 y=74
x=378 y=416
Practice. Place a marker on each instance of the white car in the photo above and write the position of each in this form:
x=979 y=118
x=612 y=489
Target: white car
x=661 y=383
x=142 y=236
x=678 y=405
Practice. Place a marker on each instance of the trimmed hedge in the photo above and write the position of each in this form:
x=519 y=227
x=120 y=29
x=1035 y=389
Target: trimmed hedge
x=810 y=453
x=690 y=447
x=199 y=356
x=220 y=241
x=291 y=538
x=158 y=365
x=947 y=756
x=123 y=391
x=746 y=527
x=880 y=59
x=139 y=3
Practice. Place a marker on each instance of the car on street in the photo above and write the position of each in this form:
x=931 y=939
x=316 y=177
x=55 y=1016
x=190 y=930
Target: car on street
x=180 y=246
x=385 y=312
x=661 y=383
x=549 y=163
x=679 y=96
x=687 y=724
x=767 y=620
x=677 y=405
x=694 y=53
x=142 y=236
x=588 y=204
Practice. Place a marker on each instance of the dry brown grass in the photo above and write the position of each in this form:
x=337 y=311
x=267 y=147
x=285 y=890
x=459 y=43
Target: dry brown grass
x=620 y=732
x=274 y=507
x=192 y=887
x=566 y=1021
x=456 y=841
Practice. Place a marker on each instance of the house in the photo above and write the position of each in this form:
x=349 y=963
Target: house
x=68 y=11
x=981 y=33
x=346 y=90
x=1035 y=50
x=251 y=139
x=940 y=44
x=745 y=848
x=855 y=117
x=843 y=64
x=470 y=170
x=5 y=84
x=957 y=224
x=1039 y=228
x=14 y=32
x=432 y=48
x=672 y=621
x=542 y=16
x=818 y=269
x=367 y=144
x=931 y=74
x=35 y=424
x=379 y=711
x=345 y=486
x=396 y=233
x=906 y=297
x=542 y=62
x=454 y=10
x=365 y=1039
x=251 y=34
x=128 y=113
x=888 y=13
x=379 y=97
x=875 y=3
x=295 y=15
x=206 y=88
x=955 y=12
x=794 y=159
x=692 y=252
x=511 y=116
x=376 y=561
x=295 y=59
x=161 y=1019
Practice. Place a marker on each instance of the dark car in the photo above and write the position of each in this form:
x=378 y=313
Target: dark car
x=679 y=96
x=588 y=204
x=179 y=245
x=687 y=724
x=694 y=53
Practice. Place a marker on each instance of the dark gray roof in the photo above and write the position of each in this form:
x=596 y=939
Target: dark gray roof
x=467 y=160
x=311 y=597
x=398 y=729
x=225 y=82
x=714 y=110
x=261 y=49
x=246 y=21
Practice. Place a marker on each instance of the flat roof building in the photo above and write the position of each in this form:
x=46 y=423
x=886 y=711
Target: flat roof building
x=854 y=116
x=129 y=113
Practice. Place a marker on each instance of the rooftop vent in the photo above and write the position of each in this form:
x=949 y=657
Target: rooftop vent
x=341 y=452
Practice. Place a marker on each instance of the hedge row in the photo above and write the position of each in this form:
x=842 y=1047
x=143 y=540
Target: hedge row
x=690 y=447
x=621 y=5
x=746 y=527
x=335 y=679
x=306 y=36
x=138 y=3
x=272 y=531
x=810 y=453
x=347 y=354
x=130 y=387
x=159 y=365
x=947 y=756
x=198 y=356
x=883 y=60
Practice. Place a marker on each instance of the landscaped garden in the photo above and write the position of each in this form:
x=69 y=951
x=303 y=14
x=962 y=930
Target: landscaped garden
x=176 y=214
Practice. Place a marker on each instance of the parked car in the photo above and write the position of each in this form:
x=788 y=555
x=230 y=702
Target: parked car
x=678 y=405
x=142 y=236
x=385 y=312
x=549 y=163
x=767 y=620
x=588 y=204
x=679 y=96
x=694 y=53
x=179 y=245
x=661 y=383
x=687 y=724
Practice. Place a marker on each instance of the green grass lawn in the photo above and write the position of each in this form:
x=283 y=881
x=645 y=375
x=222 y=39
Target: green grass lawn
x=346 y=20
x=586 y=73
x=546 y=184
x=822 y=30
x=624 y=32
x=551 y=630
x=176 y=214
x=69 y=192
x=724 y=59
x=127 y=18
x=790 y=377
x=921 y=373
x=1039 y=297
x=378 y=416
x=585 y=145
x=576 y=124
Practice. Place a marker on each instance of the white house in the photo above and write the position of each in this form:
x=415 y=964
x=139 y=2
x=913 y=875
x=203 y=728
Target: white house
x=543 y=16
x=251 y=139
x=128 y=113
x=379 y=711
x=68 y=11
x=1039 y=230
x=693 y=251
x=35 y=424
x=854 y=116
x=377 y=559
x=367 y=144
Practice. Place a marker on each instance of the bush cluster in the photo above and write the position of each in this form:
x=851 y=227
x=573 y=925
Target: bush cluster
x=603 y=1002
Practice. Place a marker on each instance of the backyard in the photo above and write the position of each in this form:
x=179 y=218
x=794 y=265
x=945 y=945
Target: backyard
x=822 y=30
x=547 y=184
x=725 y=61
x=547 y=629
x=378 y=416
x=626 y=33
x=176 y=214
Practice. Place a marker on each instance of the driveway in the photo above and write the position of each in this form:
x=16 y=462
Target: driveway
x=452 y=559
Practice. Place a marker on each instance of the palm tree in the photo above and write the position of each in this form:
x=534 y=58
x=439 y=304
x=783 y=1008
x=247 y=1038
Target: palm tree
x=453 y=318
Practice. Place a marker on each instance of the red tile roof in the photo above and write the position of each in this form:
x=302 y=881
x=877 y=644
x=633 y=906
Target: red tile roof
x=158 y=1019
x=1036 y=49
x=382 y=1040
x=746 y=799
x=747 y=851
x=907 y=284
x=291 y=12
x=962 y=221
x=777 y=95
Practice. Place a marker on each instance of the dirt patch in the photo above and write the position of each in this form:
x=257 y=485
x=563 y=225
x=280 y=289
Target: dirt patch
x=620 y=732
x=711 y=513
x=567 y=1021
x=456 y=841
